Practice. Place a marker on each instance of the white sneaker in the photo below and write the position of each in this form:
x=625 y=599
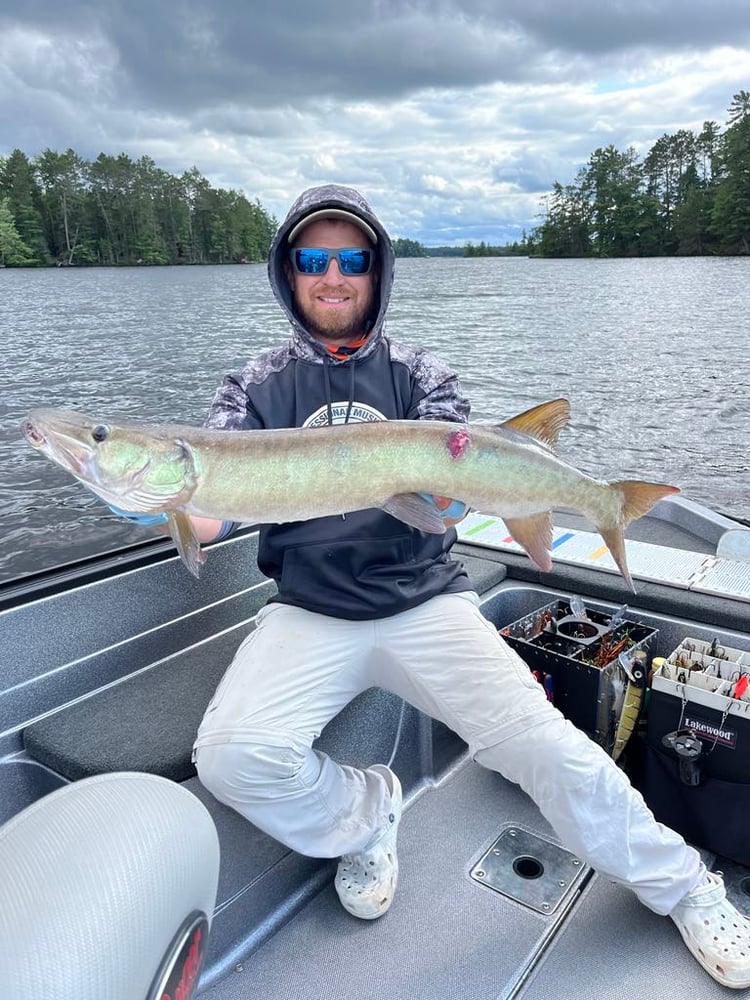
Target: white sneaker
x=716 y=933
x=366 y=882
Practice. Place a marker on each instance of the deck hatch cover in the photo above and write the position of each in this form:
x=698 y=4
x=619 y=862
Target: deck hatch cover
x=529 y=869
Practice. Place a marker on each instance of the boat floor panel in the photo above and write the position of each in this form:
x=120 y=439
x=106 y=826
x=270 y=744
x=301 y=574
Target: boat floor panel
x=619 y=949
x=445 y=935
x=448 y=938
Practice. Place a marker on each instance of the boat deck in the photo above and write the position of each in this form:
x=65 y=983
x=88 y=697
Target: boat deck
x=446 y=936
x=110 y=668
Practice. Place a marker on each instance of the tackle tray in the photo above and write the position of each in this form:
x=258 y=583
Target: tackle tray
x=701 y=691
x=704 y=689
x=577 y=658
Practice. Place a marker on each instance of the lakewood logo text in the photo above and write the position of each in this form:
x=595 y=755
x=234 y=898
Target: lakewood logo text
x=726 y=737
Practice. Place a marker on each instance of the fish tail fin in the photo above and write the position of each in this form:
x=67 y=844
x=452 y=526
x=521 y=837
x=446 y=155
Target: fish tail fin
x=615 y=542
x=637 y=499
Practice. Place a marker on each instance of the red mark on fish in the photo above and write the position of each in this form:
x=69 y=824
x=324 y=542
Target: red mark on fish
x=458 y=442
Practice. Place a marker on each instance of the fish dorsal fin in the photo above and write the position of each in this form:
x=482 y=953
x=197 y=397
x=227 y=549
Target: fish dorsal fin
x=543 y=422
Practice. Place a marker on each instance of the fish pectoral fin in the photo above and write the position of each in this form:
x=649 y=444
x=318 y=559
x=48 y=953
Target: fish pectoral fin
x=185 y=539
x=534 y=534
x=543 y=422
x=413 y=509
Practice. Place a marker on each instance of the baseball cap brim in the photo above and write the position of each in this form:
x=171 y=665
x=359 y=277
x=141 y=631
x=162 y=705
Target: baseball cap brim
x=334 y=213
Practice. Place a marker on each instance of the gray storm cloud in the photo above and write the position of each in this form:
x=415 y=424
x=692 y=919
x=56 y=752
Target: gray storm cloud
x=452 y=115
x=187 y=55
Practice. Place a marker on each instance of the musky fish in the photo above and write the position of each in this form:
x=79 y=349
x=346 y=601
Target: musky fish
x=274 y=476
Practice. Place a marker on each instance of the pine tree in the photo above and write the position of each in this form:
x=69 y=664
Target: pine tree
x=18 y=185
x=730 y=218
x=13 y=250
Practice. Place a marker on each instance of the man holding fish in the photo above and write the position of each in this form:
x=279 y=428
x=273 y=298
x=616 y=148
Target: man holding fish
x=371 y=597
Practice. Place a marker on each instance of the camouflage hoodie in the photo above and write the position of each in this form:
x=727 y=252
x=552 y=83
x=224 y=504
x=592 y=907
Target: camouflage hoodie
x=367 y=564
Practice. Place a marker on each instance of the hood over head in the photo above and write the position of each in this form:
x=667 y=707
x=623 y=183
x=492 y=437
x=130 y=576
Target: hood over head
x=334 y=201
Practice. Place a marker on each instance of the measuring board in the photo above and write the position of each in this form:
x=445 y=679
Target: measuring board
x=657 y=563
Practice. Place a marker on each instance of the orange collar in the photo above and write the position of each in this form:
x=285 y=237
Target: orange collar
x=341 y=351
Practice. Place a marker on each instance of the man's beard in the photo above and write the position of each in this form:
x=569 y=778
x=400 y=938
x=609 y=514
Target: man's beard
x=343 y=324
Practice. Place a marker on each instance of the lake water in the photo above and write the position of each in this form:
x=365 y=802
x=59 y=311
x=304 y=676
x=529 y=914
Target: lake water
x=653 y=355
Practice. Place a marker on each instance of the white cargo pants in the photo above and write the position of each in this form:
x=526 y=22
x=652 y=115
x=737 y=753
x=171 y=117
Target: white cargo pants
x=298 y=669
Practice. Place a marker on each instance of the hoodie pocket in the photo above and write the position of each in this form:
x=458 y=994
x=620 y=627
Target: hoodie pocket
x=358 y=576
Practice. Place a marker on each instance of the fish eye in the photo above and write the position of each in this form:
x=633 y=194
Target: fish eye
x=100 y=432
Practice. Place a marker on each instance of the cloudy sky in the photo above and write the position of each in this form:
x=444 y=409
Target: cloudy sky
x=453 y=117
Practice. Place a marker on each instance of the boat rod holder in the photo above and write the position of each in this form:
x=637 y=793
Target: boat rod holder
x=688 y=748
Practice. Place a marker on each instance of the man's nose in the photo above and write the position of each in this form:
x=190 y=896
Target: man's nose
x=333 y=275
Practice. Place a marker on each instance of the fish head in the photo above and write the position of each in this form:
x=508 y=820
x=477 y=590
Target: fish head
x=133 y=467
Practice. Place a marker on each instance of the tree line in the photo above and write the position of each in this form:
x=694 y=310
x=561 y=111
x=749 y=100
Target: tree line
x=412 y=248
x=408 y=248
x=58 y=208
x=482 y=249
x=690 y=195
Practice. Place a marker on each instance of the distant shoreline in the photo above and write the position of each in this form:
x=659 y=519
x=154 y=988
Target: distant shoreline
x=426 y=256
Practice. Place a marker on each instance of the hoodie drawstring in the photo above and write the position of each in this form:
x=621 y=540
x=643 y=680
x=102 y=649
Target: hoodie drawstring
x=351 y=393
x=329 y=395
x=329 y=398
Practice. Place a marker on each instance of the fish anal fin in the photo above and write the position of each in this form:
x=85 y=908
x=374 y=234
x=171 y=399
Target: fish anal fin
x=543 y=422
x=186 y=541
x=414 y=510
x=534 y=534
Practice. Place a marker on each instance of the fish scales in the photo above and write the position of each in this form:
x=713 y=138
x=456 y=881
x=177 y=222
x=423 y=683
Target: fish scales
x=343 y=468
x=268 y=476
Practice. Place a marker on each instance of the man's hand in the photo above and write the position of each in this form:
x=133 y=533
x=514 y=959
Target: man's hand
x=450 y=511
x=206 y=529
x=138 y=518
x=131 y=515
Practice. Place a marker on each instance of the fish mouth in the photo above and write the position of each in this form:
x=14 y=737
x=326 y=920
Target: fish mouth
x=65 y=437
x=33 y=435
x=62 y=446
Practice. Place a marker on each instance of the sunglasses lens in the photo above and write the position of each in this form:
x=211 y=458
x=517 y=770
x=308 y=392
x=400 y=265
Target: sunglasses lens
x=314 y=260
x=354 y=261
x=311 y=261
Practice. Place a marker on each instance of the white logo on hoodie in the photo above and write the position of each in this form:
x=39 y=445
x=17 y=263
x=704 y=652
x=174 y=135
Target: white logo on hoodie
x=360 y=413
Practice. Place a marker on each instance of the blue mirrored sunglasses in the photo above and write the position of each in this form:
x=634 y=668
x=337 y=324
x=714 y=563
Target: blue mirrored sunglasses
x=315 y=260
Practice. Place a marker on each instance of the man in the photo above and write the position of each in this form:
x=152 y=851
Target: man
x=365 y=600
